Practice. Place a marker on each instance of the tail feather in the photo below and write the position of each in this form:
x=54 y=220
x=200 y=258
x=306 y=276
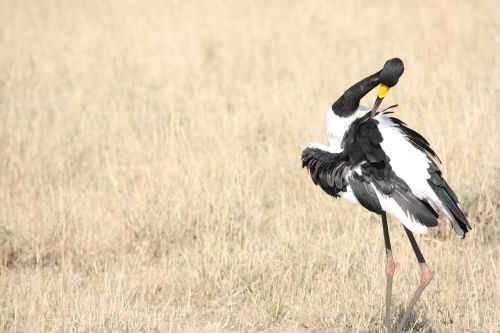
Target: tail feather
x=450 y=201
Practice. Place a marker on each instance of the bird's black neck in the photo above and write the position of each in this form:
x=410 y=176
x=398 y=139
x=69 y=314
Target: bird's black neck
x=348 y=103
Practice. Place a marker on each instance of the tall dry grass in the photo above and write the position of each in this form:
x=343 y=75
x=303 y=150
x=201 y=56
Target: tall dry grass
x=150 y=172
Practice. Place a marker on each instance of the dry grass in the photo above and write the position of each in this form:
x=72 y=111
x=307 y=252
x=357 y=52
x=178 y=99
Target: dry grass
x=150 y=172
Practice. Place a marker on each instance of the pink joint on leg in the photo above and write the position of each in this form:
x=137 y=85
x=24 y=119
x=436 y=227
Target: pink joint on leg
x=426 y=275
x=390 y=267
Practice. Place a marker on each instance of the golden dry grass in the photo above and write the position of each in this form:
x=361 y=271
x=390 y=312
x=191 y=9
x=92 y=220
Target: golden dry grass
x=150 y=172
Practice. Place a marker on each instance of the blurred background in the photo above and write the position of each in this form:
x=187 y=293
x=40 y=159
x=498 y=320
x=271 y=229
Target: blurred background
x=150 y=175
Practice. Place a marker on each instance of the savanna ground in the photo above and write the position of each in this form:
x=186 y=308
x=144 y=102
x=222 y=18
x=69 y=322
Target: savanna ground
x=150 y=175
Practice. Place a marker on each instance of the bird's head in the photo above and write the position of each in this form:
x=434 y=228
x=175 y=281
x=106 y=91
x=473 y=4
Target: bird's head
x=388 y=76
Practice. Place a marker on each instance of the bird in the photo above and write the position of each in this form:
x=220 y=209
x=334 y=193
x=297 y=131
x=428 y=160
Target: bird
x=375 y=160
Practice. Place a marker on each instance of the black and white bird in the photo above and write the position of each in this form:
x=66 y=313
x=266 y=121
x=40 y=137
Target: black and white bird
x=376 y=161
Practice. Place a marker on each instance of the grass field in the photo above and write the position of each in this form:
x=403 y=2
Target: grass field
x=150 y=176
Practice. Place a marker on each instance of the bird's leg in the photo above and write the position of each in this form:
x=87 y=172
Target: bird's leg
x=390 y=266
x=425 y=279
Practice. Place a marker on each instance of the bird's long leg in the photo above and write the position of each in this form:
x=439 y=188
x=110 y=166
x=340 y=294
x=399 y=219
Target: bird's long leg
x=425 y=279
x=389 y=273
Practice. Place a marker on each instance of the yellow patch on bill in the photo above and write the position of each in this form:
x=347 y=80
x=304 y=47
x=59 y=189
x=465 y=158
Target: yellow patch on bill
x=383 y=90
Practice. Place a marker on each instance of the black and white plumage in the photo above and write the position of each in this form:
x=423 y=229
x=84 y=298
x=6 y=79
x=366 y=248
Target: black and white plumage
x=376 y=161
x=383 y=165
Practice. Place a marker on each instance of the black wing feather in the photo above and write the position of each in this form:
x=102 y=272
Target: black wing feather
x=413 y=206
x=365 y=194
x=326 y=169
x=449 y=199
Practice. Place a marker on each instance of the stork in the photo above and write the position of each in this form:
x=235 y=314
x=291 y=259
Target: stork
x=376 y=161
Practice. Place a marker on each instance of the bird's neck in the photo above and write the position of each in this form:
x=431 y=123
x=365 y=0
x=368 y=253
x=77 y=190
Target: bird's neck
x=348 y=103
